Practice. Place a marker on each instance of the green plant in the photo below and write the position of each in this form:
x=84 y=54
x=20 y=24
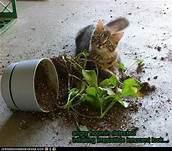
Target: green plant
x=100 y=95
x=131 y=87
x=122 y=67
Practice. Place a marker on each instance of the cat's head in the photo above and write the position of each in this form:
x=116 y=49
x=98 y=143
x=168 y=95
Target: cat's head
x=106 y=37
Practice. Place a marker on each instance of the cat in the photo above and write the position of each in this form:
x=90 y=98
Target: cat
x=101 y=41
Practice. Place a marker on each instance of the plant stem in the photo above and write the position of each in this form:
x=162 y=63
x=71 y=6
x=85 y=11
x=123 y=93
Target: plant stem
x=72 y=61
x=69 y=101
x=71 y=75
x=79 y=102
x=108 y=108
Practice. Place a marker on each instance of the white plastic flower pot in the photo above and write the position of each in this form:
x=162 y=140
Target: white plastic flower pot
x=18 y=84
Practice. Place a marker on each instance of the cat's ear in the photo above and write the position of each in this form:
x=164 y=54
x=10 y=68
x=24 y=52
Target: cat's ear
x=117 y=25
x=100 y=26
x=115 y=38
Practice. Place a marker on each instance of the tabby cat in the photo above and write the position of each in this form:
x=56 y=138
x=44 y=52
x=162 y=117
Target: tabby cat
x=101 y=41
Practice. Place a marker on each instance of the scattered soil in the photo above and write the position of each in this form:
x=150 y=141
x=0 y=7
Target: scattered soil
x=65 y=46
x=23 y=125
x=117 y=118
x=61 y=67
x=45 y=95
x=162 y=58
x=149 y=46
x=140 y=68
x=155 y=77
x=147 y=88
x=169 y=56
x=158 y=48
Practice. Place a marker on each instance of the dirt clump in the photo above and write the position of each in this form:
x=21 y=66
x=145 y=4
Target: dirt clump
x=158 y=48
x=140 y=68
x=147 y=88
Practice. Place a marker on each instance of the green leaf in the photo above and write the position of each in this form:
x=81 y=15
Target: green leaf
x=101 y=92
x=122 y=66
x=90 y=76
x=71 y=96
x=93 y=101
x=110 y=83
x=91 y=91
x=109 y=91
x=131 y=87
x=95 y=96
x=117 y=98
x=121 y=101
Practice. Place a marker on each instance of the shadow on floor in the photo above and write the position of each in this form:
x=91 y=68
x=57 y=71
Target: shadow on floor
x=20 y=127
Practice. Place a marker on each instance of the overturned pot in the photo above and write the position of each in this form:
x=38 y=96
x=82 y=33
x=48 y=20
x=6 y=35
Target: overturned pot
x=30 y=85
